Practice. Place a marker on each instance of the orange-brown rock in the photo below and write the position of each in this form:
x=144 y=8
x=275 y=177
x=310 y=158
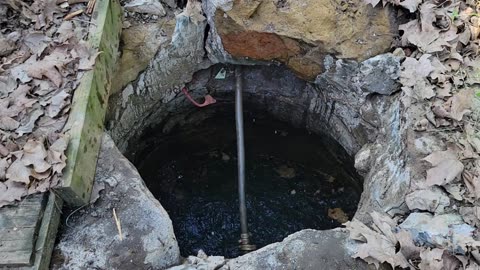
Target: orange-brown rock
x=294 y=32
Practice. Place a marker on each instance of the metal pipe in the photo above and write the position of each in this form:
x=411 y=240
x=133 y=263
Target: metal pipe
x=244 y=236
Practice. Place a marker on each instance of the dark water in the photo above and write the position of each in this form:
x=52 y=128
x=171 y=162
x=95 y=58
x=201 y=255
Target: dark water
x=293 y=178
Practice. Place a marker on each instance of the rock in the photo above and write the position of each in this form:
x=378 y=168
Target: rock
x=380 y=74
x=433 y=200
x=363 y=159
x=297 y=33
x=153 y=7
x=446 y=230
x=140 y=44
x=91 y=238
x=172 y=67
x=201 y=261
x=306 y=249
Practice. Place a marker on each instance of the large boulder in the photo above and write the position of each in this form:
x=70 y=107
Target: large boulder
x=298 y=33
x=91 y=239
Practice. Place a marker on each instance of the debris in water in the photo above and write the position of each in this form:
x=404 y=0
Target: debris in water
x=338 y=215
x=285 y=172
x=293 y=192
x=221 y=74
x=225 y=157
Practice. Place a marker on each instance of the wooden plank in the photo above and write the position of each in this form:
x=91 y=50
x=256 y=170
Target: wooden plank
x=17 y=221
x=16 y=258
x=18 y=229
x=47 y=233
x=85 y=123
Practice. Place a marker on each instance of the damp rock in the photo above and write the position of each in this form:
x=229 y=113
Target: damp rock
x=149 y=239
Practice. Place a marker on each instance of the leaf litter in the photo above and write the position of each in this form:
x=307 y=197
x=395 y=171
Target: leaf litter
x=42 y=58
x=440 y=73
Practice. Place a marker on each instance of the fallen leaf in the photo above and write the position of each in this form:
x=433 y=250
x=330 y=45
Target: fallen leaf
x=461 y=103
x=37 y=42
x=56 y=153
x=50 y=65
x=3 y=168
x=411 y=5
x=431 y=259
x=11 y=191
x=29 y=124
x=18 y=172
x=285 y=172
x=446 y=168
x=34 y=153
x=8 y=124
x=433 y=200
x=57 y=103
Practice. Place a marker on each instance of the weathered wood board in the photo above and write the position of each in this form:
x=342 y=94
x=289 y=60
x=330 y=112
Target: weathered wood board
x=85 y=123
x=28 y=232
x=19 y=225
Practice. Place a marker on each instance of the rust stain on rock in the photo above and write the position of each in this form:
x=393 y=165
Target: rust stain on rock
x=258 y=46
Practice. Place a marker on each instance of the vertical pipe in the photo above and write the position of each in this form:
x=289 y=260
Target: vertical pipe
x=245 y=245
x=240 y=150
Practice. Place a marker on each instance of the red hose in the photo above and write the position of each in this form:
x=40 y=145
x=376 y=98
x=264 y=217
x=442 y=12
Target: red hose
x=208 y=99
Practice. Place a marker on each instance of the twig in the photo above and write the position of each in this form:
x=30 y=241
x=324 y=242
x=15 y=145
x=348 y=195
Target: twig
x=119 y=226
x=73 y=14
x=74 y=211
x=90 y=6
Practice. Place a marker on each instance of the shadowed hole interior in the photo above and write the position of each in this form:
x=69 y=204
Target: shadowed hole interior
x=294 y=179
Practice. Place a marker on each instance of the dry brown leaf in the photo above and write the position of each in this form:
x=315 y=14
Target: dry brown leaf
x=18 y=172
x=433 y=200
x=376 y=248
x=56 y=153
x=411 y=5
x=3 y=168
x=407 y=246
x=427 y=16
x=461 y=103
x=50 y=65
x=11 y=191
x=471 y=215
x=446 y=168
x=444 y=173
x=34 y=153
x=29 y=123
x=472 y=182
x=8 y=124
x=431 y=259
x=57 y=103
x=37 y=42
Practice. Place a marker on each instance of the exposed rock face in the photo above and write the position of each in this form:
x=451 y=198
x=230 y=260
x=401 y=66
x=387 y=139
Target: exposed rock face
x=297 y=33
x=91 y=239
x=306 y=249
x=171 y=67
x=140 y=44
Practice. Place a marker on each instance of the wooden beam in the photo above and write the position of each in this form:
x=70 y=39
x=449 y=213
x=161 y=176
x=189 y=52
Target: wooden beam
x=89 y=104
